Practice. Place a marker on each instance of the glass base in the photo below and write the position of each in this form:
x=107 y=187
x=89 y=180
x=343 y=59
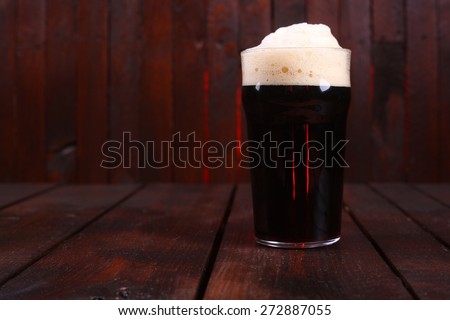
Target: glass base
x=297 y=245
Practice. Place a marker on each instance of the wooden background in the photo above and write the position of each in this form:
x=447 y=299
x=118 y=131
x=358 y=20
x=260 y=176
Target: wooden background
x=74 y=74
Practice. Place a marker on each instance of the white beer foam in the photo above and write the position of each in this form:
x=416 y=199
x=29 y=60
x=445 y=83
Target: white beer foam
x=301 y=54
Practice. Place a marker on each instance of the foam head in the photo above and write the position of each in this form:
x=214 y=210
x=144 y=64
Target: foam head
x=301 y=54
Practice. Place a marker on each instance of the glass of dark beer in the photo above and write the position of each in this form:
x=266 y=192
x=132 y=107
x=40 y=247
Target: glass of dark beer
x=296 y=100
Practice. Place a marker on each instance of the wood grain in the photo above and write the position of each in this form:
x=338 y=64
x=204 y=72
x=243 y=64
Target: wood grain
x=8 y=138
x=124 y=87
x=325 y=12
x=355 y=34
x=388 y=21
x=223 y=64
x=30 y=82
x=13 y=192
x=92 y=89
x=440 y=192
x=254 y=25
x=154 y=246
x=434 y=216
x=350 y=269
x=287 y=12
x=254 y=22
x=388 y=65
x=422 y=105
x=31 y=228
x=419 y=258
x=60 y=90
x=156 y=123
x=190 y=89
x=443 y=12
x=78 y=73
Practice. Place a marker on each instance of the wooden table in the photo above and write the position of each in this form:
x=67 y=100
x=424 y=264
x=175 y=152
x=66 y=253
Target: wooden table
x=173 y=241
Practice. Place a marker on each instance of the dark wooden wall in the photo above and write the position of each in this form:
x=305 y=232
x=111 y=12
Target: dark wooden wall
x=74 y=74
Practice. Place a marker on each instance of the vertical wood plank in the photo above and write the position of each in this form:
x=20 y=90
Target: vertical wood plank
x=92 y=89
x=254 y=25
x=287 y=12
x=254 y=22
x=44 y=116
x=325 y=12
x=156 y=122
x=7 y=90
x=223 y=64
x=422 y=108
x=30 y=79
x=60 y=90
x=388 y=21
x=388 y=89
x=125 y=71
x=355 y=34
x=444 y=92
x=190 y=88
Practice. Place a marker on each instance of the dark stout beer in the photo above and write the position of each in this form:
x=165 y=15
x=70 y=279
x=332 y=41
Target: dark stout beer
x=298 y=203
x=296 y=92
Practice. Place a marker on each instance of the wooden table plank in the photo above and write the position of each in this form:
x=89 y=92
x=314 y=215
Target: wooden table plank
x=441 y=192
x=387 y=90
x=350 y=269
x=11 y=193
x=155 y=245
x=429 y=213
x=422 y=262
x=30 y=228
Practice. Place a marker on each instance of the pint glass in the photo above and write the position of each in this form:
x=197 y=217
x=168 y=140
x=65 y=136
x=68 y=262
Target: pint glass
x=296 y=101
